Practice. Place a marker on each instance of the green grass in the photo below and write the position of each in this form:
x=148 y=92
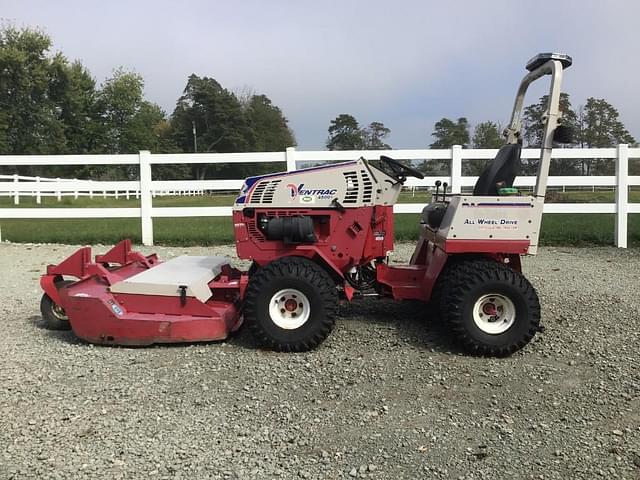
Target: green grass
x=598 y=196
x=167 y=231
x=557 y=229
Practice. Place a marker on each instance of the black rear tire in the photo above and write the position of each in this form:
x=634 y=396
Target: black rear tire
x=54 y=315
x=296 y=283
x=471 y=286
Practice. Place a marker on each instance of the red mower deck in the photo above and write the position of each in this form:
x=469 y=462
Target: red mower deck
x=125 y=298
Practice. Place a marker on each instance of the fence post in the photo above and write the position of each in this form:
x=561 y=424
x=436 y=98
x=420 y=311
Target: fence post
x=38 y=195
x=290 y=155
x=456 y=169
x=59 y=192
x=622 y=195
x=16 y=193
x=145 y=198
x=75 y=192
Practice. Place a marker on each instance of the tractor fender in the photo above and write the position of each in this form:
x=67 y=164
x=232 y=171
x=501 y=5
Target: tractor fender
x=335 y=273
x=438 y=261
x=48 y=284
x=328 y=265
x=318 y=256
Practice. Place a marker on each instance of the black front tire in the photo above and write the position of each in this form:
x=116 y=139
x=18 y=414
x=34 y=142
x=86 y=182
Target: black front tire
x=466 y=285
x=54 y=315
x=290 y=274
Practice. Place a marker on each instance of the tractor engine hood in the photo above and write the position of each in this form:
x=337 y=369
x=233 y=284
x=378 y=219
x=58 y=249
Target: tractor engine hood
x=348 y=184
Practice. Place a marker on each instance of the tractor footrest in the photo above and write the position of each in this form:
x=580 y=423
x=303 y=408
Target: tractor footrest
x=405 y=281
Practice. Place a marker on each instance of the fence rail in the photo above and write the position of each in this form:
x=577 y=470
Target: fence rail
x=39 y=187
x=145 y=187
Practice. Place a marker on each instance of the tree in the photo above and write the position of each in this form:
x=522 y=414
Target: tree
x=220 y=123
x=75 y=94
x=533 y=122
x=601 y=127
x=533 y=131
x=271 y=132
x=127 y=119
x=345 y=134
x=448 y=133
x=124 y=123
x=29 y=122
x=485 y=135
x=374 y=136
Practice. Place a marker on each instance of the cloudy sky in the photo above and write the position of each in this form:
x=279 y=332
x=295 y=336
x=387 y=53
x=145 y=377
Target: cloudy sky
x=404 y=63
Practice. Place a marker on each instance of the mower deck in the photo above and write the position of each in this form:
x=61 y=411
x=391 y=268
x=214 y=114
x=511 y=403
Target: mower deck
x=125 y=298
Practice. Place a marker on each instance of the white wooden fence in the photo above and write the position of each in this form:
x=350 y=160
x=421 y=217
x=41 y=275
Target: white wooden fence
x=291 y=157
x=84 y=188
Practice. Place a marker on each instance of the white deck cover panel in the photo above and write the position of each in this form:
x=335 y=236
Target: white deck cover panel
x=165 y=279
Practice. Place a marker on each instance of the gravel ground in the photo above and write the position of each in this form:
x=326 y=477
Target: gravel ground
x=386 y=396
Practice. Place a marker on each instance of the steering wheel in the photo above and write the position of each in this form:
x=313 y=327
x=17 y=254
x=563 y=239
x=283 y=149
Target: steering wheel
x=400 y=169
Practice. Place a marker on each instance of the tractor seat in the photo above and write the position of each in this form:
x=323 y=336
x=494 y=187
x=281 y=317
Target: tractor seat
x=501 y=172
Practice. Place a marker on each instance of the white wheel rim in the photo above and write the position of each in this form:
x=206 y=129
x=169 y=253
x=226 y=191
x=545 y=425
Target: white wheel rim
x=494 y=313
x=59 y=312
x=289 y=308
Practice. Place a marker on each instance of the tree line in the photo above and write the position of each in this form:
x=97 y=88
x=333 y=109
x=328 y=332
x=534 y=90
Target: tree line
x=594 y=125
x=51 y=105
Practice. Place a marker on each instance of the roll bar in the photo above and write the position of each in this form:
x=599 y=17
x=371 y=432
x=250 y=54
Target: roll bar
x=544 y=64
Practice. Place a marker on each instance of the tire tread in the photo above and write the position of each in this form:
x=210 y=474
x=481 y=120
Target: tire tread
x=458 y=280
x=297 y=268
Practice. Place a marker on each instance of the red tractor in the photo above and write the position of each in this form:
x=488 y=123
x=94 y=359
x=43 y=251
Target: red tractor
x=322 y=234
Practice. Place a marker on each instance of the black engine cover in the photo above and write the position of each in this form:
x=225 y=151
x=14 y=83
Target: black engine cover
x=290 y=230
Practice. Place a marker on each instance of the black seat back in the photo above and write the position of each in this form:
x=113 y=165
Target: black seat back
x=501 y=172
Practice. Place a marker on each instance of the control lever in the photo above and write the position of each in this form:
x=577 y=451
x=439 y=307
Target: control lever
x=438 y=183
x=337 y=205
x=444 y=191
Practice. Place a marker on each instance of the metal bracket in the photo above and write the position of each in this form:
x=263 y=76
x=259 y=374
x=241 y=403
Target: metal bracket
x=183 y=295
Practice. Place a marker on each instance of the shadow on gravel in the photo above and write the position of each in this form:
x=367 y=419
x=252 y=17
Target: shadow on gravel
x=411 y=321
x=65 y=336
x=243 y=339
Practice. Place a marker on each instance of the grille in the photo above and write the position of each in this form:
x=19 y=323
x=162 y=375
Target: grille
x=367 y=186
x=359 y=187
x=351 y=195
x=270 y=191
x=264 y=192
x=253 y=229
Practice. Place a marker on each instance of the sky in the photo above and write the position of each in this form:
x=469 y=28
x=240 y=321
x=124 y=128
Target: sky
x=404 y=63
